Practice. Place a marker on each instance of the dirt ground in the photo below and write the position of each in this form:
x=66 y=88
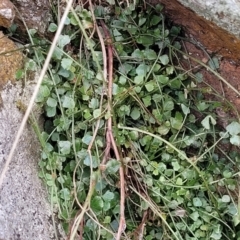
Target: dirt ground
x=227 y=69
x=219 y=41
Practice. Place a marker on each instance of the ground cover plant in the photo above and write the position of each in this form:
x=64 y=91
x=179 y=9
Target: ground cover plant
x=131 y=148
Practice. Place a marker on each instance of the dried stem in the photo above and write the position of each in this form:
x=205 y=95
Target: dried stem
x=109 y=134
x=85 y=206
x=139 y=232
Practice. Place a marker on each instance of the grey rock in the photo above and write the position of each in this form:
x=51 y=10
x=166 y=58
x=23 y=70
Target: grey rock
x=25 y=211
x=224 y=13
x=7 y=13
x=36 y=14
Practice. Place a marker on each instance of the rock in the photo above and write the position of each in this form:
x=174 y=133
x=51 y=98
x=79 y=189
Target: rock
x=7 y=13
x=36 y=14
x=25 y=211
x=211 y=23
x=10 y=60
x=225 y=13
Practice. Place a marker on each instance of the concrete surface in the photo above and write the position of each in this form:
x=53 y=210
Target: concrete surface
x=25 y=212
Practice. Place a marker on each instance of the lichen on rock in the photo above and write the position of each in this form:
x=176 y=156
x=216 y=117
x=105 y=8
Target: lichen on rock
x=10 y=60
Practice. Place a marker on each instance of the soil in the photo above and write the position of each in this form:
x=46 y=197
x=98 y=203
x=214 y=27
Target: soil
x=219 y=42
x=207 y=32
x=228 y=69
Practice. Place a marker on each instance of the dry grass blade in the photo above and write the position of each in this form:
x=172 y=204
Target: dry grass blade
x=31 y=102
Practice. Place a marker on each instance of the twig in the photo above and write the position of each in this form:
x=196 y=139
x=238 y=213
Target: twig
x=104 y=75
x=86 y=204
x=81 y=230
x=138 y=233
x=109 y=134
x=108 y=142
x=25 y=47
x=93 y=18
x=107 y=150
x=79 y=219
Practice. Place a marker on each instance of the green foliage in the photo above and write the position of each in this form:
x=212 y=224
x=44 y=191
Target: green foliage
x=176 y=172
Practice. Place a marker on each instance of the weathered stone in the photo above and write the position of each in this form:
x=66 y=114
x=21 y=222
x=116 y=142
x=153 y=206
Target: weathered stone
x=10 y=60
x=25 y=211
x=7 y=13
x=224 y=13
x=36 y=14
x=208 y=33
